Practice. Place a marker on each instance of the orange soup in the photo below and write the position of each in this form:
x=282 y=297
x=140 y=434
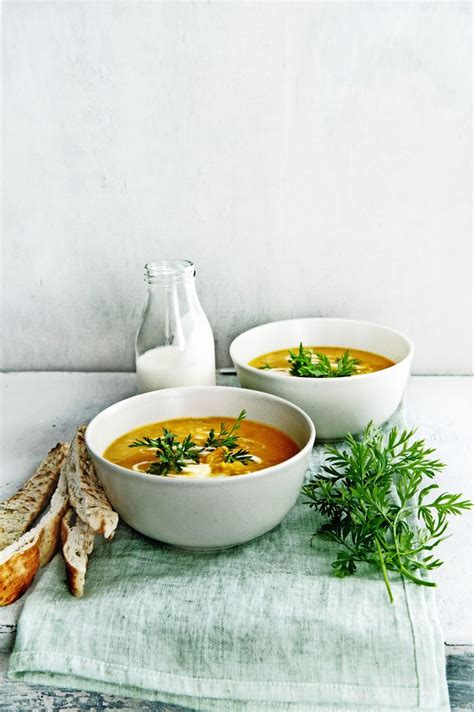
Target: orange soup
x=279 y=361
x=264 y=446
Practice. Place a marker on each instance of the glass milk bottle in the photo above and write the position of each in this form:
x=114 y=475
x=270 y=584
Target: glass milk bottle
x=174 y=344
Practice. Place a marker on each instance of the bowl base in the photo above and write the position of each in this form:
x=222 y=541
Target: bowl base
x=206 y=549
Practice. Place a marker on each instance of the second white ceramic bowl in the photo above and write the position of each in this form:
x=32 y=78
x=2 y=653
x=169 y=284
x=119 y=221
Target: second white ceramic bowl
x=209 y=513
x=336 y=405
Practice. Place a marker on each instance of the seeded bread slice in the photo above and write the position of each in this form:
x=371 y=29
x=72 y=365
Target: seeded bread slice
x=86 y=493
x=20 y=561
x=18 y=513
x=77 y=541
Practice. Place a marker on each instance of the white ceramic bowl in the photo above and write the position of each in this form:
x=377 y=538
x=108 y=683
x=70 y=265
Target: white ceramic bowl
x=336 y=405
x=201 y=513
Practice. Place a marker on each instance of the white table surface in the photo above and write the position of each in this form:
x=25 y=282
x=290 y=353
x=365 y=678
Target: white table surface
x=38 y=409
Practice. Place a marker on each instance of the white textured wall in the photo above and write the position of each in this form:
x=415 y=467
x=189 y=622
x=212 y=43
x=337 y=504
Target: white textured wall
x=312 y=159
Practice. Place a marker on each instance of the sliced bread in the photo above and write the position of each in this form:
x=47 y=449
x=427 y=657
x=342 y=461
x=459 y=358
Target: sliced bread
x=77 y=541
x=20 y=560
x=18 y=513
x=86 y=493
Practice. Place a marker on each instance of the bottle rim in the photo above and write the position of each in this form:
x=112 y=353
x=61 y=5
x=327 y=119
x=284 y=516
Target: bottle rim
x=163 y=271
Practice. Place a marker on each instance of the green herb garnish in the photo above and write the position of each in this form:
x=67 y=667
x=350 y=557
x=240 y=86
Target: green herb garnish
x=375 y=496
x=265 y=367
x=173 y=455
x=302 y=364
x=345 y=366
x=241 y=455
x=226 y=438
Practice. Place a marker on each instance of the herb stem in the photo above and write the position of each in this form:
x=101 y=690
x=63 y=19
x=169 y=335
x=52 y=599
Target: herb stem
x=384 y=570
x=420 y=582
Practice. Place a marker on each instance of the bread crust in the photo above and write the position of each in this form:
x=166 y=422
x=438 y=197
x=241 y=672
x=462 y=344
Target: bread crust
x=77 y=541
x=18 y=512
x=86 y=493
x=17 y=573
x=20 y=561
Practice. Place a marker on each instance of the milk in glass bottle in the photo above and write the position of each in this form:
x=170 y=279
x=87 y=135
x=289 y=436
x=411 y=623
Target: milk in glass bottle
x=174 y=343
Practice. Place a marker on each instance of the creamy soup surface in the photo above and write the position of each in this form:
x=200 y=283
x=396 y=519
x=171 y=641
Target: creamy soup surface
x=280 y=360
x=266 y=445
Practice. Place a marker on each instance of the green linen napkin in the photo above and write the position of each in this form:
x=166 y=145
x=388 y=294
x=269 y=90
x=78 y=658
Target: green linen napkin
x=263 y=626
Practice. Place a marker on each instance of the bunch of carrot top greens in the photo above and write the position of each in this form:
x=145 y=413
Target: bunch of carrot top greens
x=382 y=505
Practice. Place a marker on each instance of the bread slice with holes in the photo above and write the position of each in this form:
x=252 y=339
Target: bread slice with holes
x=18 y=513
x=86 y=493
x=20 y=561
x=77 y=541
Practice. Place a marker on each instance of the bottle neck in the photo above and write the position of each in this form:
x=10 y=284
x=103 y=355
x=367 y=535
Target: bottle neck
x=172 y=287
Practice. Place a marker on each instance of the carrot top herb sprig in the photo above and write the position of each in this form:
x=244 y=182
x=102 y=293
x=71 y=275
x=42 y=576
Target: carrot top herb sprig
x=174 y=455
x=225 y=438
x=302 y=364
x=379 y=506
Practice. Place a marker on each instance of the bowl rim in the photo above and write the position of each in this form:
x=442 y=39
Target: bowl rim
x=375 y=374
x=205 y=481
